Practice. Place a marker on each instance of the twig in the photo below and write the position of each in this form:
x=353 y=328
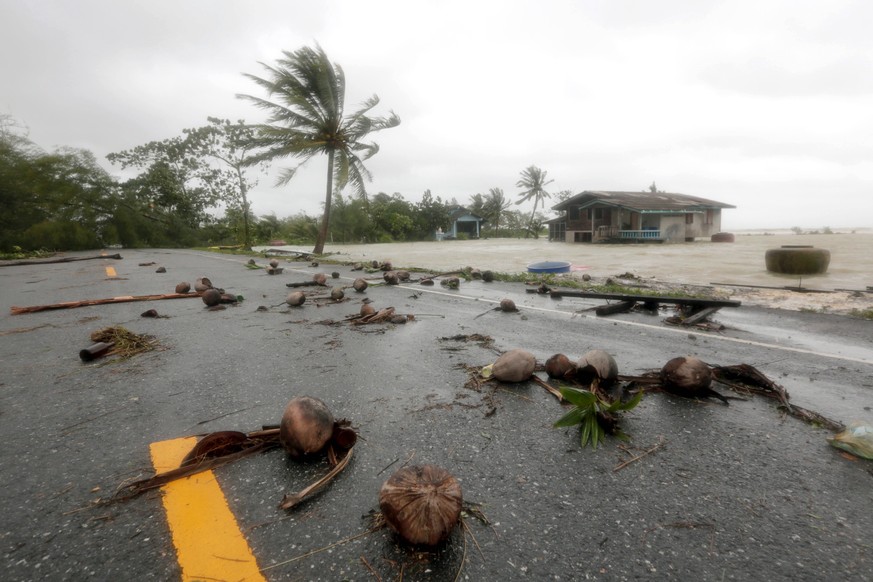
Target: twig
x=463 y=559
x=370 y=568
x=319 y=550
x=551 y=389
x=660 y=443
x=290 y=501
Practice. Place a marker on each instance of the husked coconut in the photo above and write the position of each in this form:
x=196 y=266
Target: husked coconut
x=403 y=275
x=597 y=365
x=487 y=276
x=560 y=366
x=507 y=305
x=475 y=274
x=421 y=503
x=360 y=285
x=295 y=299
x=514 y=366
x=307 y=426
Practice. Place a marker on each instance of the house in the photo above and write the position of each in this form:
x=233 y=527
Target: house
x=463 y=221
x=594 y=216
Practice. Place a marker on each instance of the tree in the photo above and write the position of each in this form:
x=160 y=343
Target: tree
x=431 y=213
x=230 y=144
x=534 y=182
x=495 y=205
x=307 y=118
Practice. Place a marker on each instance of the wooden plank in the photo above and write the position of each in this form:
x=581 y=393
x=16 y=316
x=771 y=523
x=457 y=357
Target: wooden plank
x=556 y=294
x=699 y=315
x=611 y=308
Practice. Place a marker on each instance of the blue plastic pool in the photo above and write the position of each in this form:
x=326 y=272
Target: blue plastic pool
x=549 y=267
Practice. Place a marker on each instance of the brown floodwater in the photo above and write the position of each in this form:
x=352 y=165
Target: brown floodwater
x=699 y=263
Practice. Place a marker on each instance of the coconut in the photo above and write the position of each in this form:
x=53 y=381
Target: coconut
x=161 y=270
x=374 y=263
x=487 y=276
x=386 y=266
x=426 y=282
x=507 y=305
x=252 y=262
x=229 y=298
x=391 y=278
x=403 y=275
x=688 y=376
x=597 y=365
x=475 y=274
x=367 y=309
x=211 y=297
x=295 y=299
x=274 y=263
x=514 y=366
x=320 y=279
x=360 y=285
x=202 y=284
x=560 y=366
x=421 y=503
x=337 y=293
x=306 y=427
x=183 y=287
x=334 y=275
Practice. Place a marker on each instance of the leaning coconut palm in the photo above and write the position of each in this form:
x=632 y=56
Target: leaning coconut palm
x=305 y=101
x=534 y=182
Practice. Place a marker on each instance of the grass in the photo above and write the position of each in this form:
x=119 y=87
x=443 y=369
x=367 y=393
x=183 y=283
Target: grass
x=862 y=313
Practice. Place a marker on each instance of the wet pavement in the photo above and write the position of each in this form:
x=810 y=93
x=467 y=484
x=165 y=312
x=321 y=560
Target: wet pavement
x=737 y=492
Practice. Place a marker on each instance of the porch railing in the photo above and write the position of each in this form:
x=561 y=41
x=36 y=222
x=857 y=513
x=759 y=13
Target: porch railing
x=607 y=232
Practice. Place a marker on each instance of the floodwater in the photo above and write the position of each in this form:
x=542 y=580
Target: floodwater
x=698 y=263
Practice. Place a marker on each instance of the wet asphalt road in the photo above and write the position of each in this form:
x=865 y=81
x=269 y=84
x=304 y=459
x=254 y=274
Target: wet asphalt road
x=736 y=492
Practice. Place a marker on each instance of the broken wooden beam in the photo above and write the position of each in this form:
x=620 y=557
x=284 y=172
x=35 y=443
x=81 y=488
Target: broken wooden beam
x=694 y=301
x=699 y=316
x=612 y=308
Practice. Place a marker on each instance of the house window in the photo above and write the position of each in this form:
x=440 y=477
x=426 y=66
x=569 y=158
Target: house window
x=573 y=213
x=708 y=217
x=689 y=218
x=595 y=213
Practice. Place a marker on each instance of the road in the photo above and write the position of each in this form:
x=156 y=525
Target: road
x=738 y=492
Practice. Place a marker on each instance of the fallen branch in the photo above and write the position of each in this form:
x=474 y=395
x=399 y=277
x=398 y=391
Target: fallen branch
x=89 y=302
x=289 y=501
x=50 y=261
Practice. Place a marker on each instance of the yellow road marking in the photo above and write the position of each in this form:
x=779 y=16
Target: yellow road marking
x=209 y=543
x=110 y=271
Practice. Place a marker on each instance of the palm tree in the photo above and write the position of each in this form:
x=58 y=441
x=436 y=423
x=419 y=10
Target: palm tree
x=495 y=205
x=305 y=100
x=533 y=180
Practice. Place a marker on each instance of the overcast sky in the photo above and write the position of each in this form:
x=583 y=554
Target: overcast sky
x=766 y=105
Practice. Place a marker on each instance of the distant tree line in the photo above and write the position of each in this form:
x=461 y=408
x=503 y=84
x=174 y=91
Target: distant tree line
x=193 y=190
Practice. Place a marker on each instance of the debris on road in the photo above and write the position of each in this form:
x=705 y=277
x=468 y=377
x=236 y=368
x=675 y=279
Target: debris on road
x=422 y=503
x=110 y=300
x=857 y=439
x=61 y=260
x=120 y=341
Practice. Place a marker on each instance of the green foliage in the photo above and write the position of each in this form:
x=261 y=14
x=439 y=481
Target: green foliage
x=588 y=411
x=863 y=313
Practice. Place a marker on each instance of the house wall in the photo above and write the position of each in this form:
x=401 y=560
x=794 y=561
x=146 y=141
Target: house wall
x=673 y=228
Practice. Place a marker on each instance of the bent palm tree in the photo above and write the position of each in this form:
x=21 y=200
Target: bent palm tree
x=534 y=181
x=305 y=100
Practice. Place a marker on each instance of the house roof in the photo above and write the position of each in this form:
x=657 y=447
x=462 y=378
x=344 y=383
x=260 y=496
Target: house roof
x=460 y=212
x=642 y=201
